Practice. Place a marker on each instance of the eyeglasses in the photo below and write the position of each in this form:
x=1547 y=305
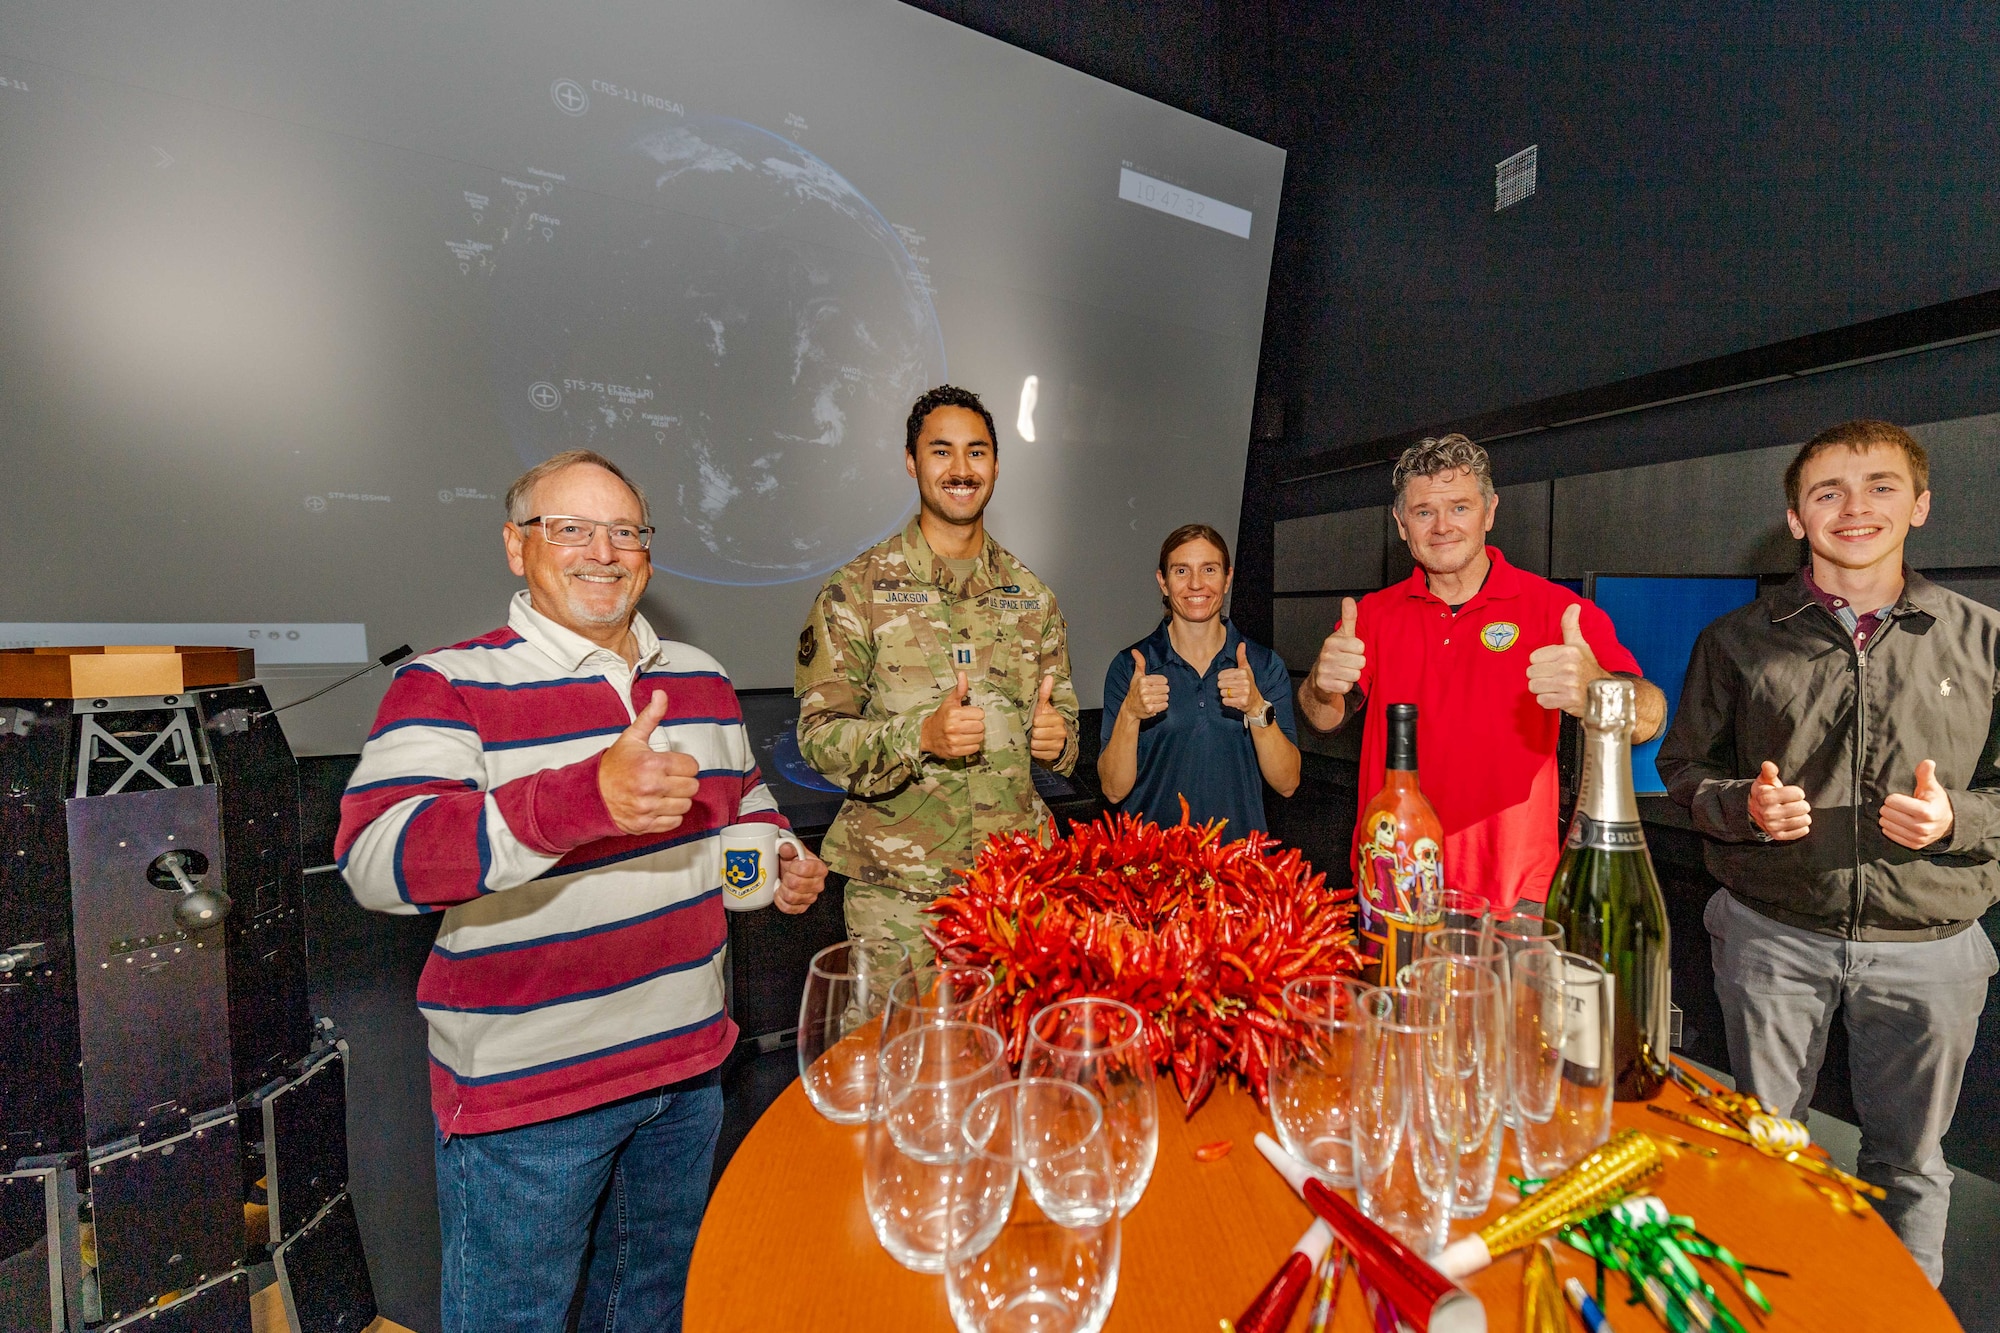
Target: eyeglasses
x=568 y=530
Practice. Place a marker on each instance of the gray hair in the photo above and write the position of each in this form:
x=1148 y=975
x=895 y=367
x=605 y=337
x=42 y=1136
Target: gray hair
x=521 y=495
x=1436 y=457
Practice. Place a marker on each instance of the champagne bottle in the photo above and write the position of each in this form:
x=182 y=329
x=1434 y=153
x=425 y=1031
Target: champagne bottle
x=1606 y=898
x=1399 y=860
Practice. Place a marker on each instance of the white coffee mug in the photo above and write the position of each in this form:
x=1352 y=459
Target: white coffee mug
x=749 y=866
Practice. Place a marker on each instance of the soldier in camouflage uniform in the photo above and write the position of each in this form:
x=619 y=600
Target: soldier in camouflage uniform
x=934 y=666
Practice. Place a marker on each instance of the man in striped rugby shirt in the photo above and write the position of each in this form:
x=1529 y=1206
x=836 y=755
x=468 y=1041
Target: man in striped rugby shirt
x=555 y=788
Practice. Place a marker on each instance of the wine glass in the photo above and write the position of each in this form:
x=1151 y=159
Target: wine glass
x=1034 y=1220
x=939 y=993
x=847 y=987
x=1310 y=1074
x=1467 y=1000
x=1404 y=1120
x=1100 y=1045
x=929 y=1076
x=1580 y=1117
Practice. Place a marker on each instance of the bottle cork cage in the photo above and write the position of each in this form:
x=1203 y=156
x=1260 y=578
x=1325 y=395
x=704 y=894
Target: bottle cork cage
x=83 y=673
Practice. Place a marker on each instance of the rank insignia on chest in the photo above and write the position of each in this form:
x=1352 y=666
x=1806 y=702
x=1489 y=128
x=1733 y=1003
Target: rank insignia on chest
x=961 y=656
x=1500 y=635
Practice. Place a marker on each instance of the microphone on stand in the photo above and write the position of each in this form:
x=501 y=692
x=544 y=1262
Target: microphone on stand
x=390 y=658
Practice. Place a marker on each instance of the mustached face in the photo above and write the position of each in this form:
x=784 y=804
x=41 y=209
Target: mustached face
x=955 y=465
x=592 y=590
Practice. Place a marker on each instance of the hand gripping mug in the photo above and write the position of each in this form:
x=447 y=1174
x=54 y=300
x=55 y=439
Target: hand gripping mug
x=750 y=866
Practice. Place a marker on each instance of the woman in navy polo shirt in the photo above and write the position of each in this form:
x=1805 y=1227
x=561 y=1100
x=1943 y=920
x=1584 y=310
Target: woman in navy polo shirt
x=1200 y=711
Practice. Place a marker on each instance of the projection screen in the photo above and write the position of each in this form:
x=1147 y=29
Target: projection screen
x=292 y=292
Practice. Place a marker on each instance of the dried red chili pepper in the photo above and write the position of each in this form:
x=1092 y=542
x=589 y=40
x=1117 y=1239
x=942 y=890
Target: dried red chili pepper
x=1214 y=1152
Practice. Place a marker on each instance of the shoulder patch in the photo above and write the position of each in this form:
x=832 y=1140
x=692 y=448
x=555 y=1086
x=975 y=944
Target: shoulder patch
x=1500 y=635
x=808 y=645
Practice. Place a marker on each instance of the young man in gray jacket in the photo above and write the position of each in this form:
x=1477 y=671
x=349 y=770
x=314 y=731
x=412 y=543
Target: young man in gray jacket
x=1836 y=743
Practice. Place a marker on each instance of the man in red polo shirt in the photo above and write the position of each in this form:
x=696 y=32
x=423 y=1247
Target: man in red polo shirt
x=1489 y=654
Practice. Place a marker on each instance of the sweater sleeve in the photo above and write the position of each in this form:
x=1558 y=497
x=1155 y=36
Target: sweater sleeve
x=420 y=832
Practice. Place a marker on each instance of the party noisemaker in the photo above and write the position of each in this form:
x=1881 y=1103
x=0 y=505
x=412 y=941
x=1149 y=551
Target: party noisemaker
x=1622 y=1166
x=1425 y=1298
x=1272 y=1310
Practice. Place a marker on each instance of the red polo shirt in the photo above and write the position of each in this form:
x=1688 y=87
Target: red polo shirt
x=1486 y=751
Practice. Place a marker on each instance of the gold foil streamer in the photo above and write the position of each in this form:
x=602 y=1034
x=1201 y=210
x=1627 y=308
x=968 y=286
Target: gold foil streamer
x=1630 y=1160
x=1542 y=1308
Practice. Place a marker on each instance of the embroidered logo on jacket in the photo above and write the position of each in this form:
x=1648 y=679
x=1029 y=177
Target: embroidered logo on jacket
x=1500 y=635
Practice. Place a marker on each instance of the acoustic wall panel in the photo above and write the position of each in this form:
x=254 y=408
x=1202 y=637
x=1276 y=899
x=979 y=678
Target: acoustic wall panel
x=1965 y=475
x=1520 y=530
x=1724 y=514
x=1329 y=551
x=1299 y=625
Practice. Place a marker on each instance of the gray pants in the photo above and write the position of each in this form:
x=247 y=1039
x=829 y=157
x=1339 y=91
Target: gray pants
x=1912 y=1012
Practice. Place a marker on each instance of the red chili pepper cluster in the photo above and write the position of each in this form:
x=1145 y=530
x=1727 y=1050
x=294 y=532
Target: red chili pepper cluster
x=1199 y=935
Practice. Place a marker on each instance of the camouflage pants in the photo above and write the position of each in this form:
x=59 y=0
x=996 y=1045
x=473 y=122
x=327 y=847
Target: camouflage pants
x=874 y=912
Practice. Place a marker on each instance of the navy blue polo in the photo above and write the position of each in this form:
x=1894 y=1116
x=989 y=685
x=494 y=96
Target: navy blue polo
x=1198 y=748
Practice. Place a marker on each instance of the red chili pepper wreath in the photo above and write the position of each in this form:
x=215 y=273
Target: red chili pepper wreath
x=1199 y=935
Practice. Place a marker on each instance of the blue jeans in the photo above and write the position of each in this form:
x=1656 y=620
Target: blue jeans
x=626 y=1181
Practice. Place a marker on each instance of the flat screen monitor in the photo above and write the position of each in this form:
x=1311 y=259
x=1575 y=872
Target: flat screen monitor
x=1658 y=618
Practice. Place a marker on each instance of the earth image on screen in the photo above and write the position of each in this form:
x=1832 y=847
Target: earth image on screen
x=727 y=318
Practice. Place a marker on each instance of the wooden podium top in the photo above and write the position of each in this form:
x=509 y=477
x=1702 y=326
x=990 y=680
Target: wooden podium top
x=118 y=671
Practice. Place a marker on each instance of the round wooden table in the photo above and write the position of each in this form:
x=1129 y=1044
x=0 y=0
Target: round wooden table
x=786 y=1242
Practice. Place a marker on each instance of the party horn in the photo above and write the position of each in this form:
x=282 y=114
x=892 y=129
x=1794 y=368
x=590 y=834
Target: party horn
x=1424 y=1297
x=1272 y=1310
x=1619 y=1167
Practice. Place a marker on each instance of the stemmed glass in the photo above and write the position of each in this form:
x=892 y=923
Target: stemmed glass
x=1034 y=1218
x=1100 y=1045
x=1467 y=1000
x=1404 y=1119
x=930 y=1075
x=1311 y=1073
x=847 y=987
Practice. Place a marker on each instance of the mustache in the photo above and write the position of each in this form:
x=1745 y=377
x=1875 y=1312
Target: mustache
x=591 y=567
x=960 y=481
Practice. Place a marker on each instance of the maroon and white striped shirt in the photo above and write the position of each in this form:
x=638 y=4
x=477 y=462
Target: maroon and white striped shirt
x=575 y=964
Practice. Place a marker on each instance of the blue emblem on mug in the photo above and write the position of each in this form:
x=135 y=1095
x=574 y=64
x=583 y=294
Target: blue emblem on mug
x=743 y=870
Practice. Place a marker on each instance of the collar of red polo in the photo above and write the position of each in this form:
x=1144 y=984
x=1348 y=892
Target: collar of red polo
x=1502 y=581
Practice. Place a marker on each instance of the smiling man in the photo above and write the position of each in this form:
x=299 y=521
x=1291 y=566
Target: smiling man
x=555 y=788
x=1201 y=713
x=1490 y=654
x=1837 y=743
x=934 y=667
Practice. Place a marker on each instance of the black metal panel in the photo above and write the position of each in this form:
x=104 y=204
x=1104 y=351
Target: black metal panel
x=168 y=1216
x=221 y=1307
x=27 y=1299
x=305 y=1144
x=152 y=1000
x=269 y=1024
x=41 y=1084
x=323 y=1275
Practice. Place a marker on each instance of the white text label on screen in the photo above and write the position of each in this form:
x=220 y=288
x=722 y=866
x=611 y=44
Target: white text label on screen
x=1133 y=187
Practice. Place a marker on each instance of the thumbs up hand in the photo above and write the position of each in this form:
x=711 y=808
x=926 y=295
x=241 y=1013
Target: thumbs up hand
x=956 y=729
x=1782 y=811
x=1342 y=656
x=1239 y=685
x=1147 y=696
x=646 y=791
x=1049 y=732
x=1559 y=673
x=1922 y=818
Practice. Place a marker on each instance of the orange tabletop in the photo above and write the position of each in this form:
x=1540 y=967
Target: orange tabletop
x=786 y=1242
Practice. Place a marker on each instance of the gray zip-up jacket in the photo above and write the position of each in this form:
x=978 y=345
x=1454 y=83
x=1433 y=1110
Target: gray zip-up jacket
x=1780 y=679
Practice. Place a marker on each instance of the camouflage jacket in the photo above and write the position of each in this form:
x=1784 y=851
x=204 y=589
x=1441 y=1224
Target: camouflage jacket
x=885 y=640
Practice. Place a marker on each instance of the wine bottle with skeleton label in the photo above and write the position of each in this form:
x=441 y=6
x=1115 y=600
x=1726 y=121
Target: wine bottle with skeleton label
x=1607 y=899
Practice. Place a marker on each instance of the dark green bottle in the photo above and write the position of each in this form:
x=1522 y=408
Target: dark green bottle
x=1606 y=898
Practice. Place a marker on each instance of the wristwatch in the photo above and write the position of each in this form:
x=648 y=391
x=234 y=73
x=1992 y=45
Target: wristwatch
x=1263 y=717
